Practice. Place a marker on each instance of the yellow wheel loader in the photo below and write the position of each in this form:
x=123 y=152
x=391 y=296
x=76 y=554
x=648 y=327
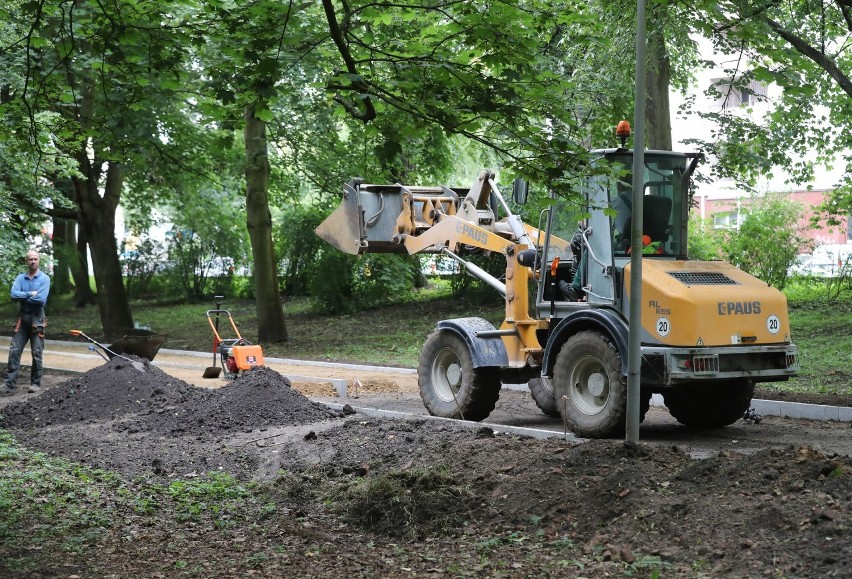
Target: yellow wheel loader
x=709 y=331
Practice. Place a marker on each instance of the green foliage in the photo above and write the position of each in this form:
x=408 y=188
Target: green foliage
x=799 y=47
x=44 y=501
x=448 y=65
x=383 y=278
x=218 y=494
x=13 y=249
x=818 y=330
x=198 y=266
x=141 y=264
x=841 y=282
x=345 y=283
x=470 y=288
x=704 y=242
x=298 y=248
x=768 y=239
x=332 y=286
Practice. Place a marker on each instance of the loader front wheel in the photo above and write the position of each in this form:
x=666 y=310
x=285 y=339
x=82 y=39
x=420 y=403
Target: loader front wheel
x=710 y=405
x=590 y=390
x=449 y=384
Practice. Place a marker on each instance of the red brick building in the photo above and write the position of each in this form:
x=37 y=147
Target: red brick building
x=726 y=212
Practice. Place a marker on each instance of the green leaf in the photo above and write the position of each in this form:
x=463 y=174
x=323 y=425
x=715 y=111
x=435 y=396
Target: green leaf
x=264 y=115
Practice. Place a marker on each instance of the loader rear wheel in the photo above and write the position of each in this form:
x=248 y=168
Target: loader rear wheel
x=449 y=384
x=542 y=394
x=590 y=390
x=710 y=405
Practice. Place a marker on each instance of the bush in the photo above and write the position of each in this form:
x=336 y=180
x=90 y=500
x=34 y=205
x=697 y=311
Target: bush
x=466 y=286
x=300 y=250
x=346 y=283
x=769 y=239
x=703 y=243
x=141 y=265
x=199 y=270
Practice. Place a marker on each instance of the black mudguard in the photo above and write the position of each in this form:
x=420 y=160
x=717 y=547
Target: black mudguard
x=485 y=352
x=605 y=321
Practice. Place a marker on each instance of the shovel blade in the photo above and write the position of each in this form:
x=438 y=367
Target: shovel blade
x=212 y=372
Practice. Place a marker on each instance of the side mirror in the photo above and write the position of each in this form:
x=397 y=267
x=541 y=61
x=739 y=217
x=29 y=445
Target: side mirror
x=520 y=191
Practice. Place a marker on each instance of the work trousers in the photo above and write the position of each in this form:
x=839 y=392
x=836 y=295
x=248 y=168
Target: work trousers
x=30 y=328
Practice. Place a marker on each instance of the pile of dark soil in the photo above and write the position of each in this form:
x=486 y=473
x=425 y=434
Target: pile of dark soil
x=257 y=399
x=160 y=403
x=116 y=389
x=137 y=420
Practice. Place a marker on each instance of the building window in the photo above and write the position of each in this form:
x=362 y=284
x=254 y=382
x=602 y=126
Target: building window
x=726 y=220
x=729 y=94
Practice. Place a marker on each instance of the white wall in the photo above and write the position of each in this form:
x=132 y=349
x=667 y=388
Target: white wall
x=690 y=125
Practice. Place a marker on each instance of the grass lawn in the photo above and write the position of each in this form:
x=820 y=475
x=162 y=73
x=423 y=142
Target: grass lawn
x=393 y=334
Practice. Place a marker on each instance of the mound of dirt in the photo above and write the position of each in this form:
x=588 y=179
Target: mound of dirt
x=256 y=399
x=141 y=397
x=367 y=497
x=116 y=389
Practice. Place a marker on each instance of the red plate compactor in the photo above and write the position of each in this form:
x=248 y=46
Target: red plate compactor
x=235 y=354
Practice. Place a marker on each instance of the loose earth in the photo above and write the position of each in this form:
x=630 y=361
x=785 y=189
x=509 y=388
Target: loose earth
x=337 y=493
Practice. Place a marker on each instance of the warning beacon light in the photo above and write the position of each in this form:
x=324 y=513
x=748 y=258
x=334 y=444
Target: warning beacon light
x=622 y=131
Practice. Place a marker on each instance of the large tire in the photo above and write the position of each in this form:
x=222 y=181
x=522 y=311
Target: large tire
x=543 y=396
x=710 y=405
x=449 y=384
x=590 y=390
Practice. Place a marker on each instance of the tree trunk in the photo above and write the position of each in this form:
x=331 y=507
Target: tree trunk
x=97 y=223
x=83 y=294
x=658 y=123
x=63 y=251
x=270 y=313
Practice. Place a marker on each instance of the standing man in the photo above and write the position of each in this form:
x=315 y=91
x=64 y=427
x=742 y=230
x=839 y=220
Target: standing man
x=30 y=291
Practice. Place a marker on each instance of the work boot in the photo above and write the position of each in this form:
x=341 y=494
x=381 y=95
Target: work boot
x=34 y=389
x=6 y=391
x=568 y=291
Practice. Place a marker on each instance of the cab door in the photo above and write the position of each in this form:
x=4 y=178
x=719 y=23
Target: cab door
x=599 y=282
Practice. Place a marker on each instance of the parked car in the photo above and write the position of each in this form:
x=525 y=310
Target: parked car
x=829 y=260
x=802 y=265
x=439 y=265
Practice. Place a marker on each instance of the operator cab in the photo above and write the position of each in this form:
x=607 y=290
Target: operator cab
x=664 y=203
x=600 y=227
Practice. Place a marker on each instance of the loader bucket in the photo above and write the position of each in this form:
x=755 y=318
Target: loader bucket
x=342 y=229
x=376 y=218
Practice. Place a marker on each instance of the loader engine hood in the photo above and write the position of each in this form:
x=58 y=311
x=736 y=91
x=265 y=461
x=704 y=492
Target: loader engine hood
x=707 y=303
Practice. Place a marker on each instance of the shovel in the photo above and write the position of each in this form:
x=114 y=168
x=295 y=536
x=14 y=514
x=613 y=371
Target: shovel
x=138 y=365
x=214 y=370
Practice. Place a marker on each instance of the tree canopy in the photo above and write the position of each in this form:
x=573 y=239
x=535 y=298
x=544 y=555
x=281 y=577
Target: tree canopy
x=225 y=115
x=804 y=49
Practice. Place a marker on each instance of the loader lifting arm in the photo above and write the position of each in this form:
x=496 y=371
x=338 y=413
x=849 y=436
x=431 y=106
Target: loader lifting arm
x=413 y=219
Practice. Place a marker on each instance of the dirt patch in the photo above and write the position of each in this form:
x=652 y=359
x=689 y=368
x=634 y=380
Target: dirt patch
x=354 y=387
x=366 y=497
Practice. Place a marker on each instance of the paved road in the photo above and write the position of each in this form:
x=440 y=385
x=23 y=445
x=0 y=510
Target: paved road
x=189 y=367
